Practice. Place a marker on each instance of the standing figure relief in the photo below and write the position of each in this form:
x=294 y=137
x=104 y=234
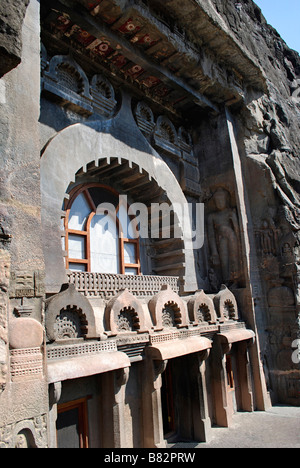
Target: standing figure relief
x=223 y=233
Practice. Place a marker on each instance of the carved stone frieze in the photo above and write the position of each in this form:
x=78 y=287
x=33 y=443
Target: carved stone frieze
x=68 y=351
x=26 y=363
x=26 y=337
x=31 y=433
x=27 y=284
x=107 y=285
x=165 y=137
x=4 y=284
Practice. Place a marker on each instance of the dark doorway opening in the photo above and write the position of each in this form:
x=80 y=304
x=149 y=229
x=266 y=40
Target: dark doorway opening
x=167 y=402
x=72 y=425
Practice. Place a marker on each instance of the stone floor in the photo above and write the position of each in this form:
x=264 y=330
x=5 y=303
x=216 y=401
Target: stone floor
x=278 y=427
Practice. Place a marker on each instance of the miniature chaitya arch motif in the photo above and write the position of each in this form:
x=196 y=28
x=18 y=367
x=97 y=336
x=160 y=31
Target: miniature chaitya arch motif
x=201 y=309
x=66 y=80
x=70 y=324
x=103 y=94
x=167 y=309
x=69 y=77
x=128 y=320
x=124 y=313
x=171 y=316
x=69 y=315
x=203 y=314
x=226 y=305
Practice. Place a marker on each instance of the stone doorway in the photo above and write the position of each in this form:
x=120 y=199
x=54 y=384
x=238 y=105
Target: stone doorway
x=182 y=400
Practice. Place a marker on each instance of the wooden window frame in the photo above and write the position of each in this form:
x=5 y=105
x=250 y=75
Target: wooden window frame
x=81 y=405
x=83 y=189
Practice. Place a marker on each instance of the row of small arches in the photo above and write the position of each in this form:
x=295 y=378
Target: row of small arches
x=64 y=71
x=126 y=313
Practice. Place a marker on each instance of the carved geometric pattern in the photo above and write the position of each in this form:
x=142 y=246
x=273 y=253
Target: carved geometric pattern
x=107 y=285
x=3 y=341
x=185 y=141
x=164 y=337
x=66 y=79
x=168 y=318
x=127 y=320
x=103 y=95
x=30 y=433
x=165 y=136
x=81 y=349
x=229 y=310
x=68 y=324
x=170 y=315
x=226 y=305
x=203 y=313
x=103 y=87
x=144 y=117
x=58 y=307
x=69 y=77
x=167 y=132
x=26 y=363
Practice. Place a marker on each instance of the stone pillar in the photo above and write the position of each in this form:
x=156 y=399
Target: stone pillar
x=54 y=397
x=223 y=415
x=244 y=377
x=113 y=404
x=253 y=315
x=120 y=380
x=202 y=422
x=152 y=410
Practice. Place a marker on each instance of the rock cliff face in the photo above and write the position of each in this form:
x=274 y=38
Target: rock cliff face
x=269 y=139
x=276 y=114
x=267 y=117
x=11 y=20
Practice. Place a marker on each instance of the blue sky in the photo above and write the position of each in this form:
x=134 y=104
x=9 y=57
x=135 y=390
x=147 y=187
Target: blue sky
x=283 y=15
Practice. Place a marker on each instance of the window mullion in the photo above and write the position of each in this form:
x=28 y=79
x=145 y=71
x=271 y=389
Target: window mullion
x=88 y=239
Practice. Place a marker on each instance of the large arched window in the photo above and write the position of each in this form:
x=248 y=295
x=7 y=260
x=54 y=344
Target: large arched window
x=100 y=240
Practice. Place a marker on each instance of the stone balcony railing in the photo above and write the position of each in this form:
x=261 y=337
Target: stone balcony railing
x=107 y=285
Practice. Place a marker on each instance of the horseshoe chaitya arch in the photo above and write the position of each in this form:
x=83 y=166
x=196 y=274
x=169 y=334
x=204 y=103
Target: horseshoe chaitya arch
x=124 y=306
x=77 y=148
x=158 y=307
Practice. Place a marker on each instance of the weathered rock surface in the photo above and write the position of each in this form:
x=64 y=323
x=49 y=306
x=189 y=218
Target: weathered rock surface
x=11 y=20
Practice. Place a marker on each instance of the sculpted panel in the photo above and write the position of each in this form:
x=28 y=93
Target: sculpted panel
x=223 y=232
x=4 y=284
